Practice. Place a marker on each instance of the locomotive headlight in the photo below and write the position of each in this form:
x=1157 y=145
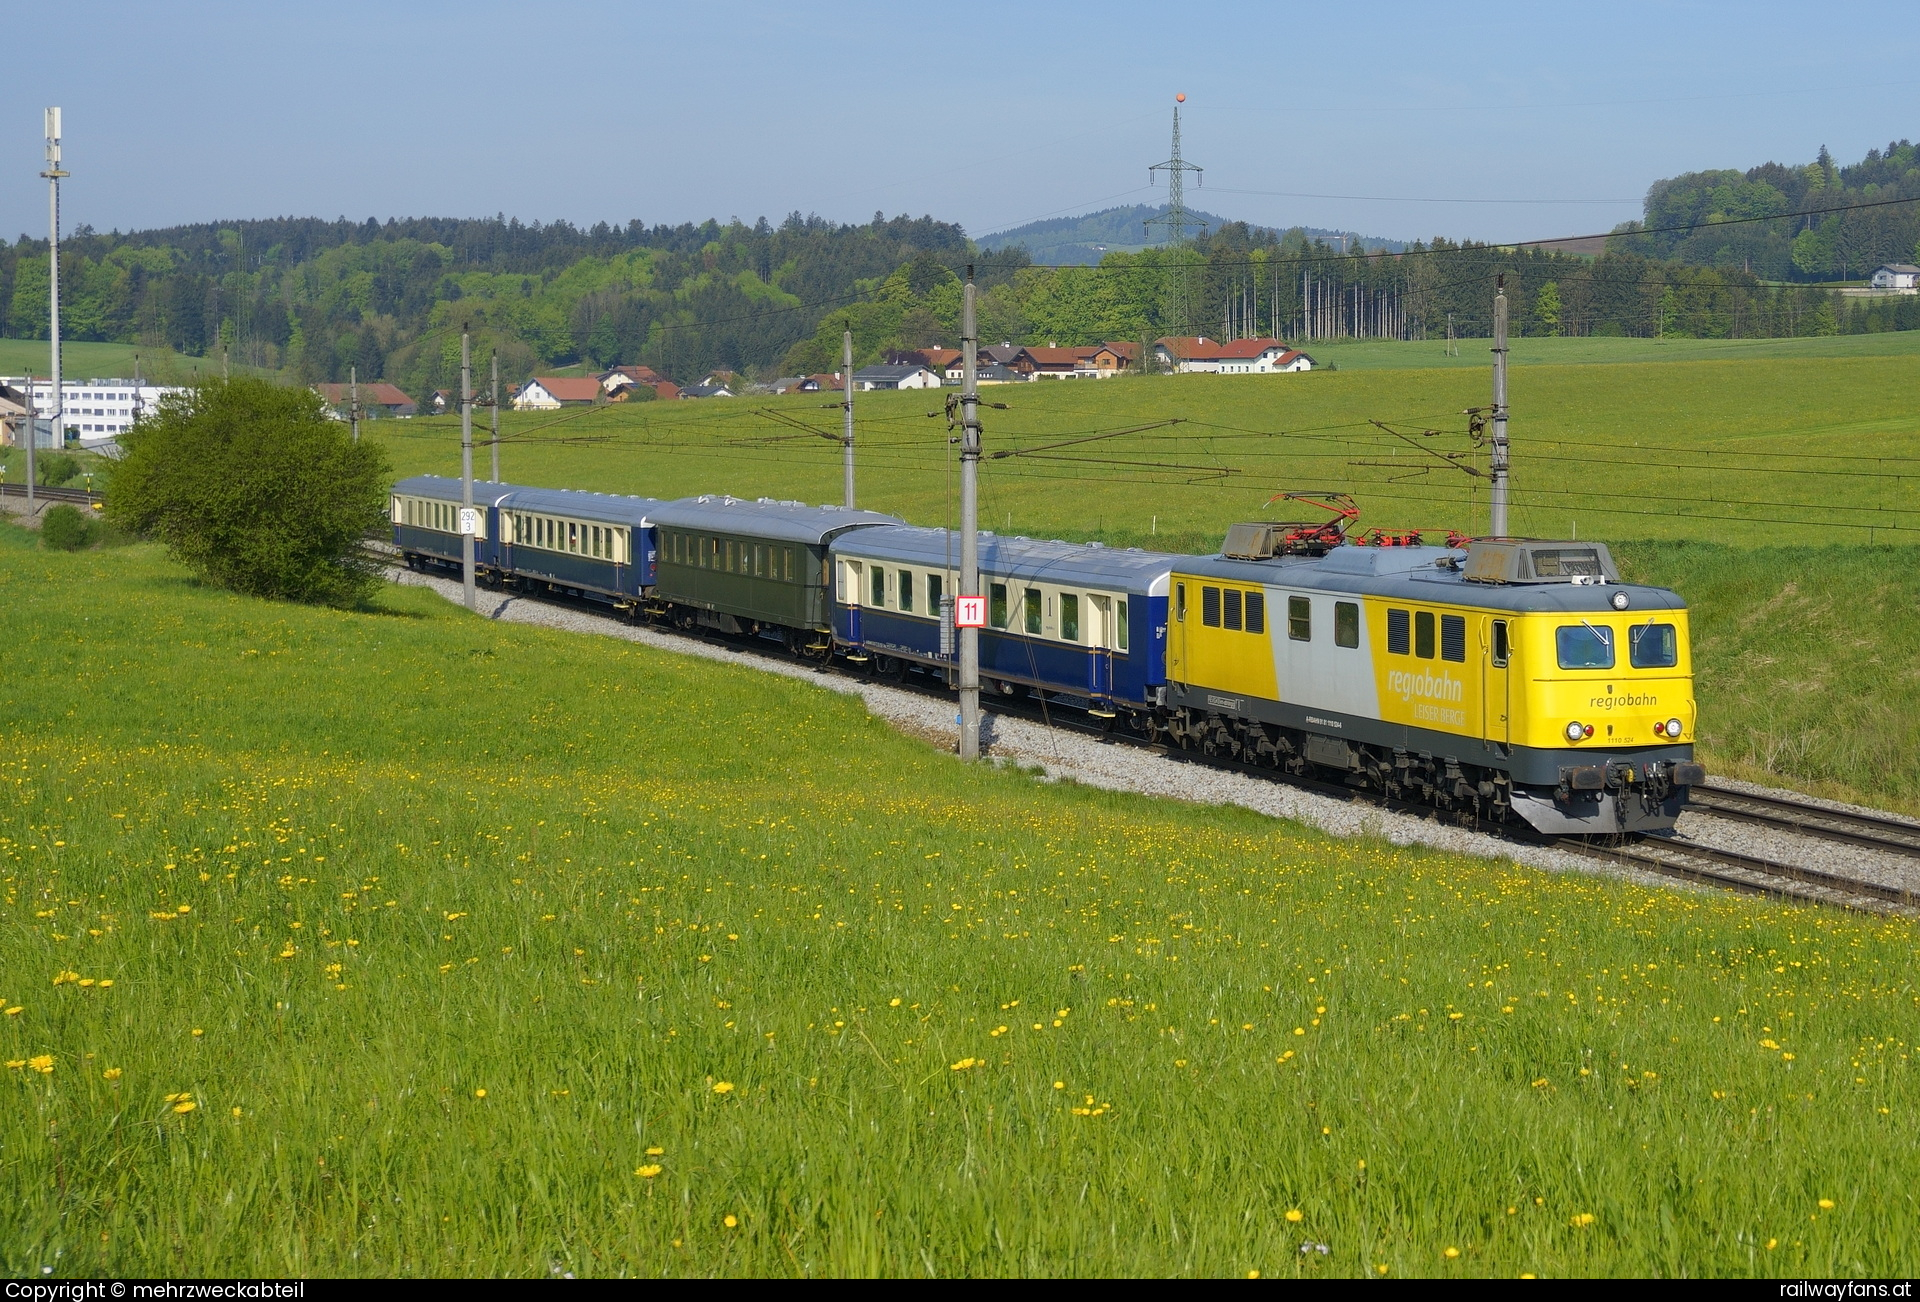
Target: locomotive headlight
x=1673 y=727
x=1575 y=731
x=1619 y=601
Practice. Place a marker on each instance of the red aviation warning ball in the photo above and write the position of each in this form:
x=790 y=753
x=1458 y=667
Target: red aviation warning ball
x=1180 y=97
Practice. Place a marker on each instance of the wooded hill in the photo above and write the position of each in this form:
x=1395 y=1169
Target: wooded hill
x=1840 y=246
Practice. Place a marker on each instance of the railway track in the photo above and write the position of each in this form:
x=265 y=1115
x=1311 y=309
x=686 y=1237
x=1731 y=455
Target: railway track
x=44 y=493
x=1666 y=856
x=1869 y=831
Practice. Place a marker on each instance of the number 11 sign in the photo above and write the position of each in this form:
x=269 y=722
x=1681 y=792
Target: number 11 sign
x=970 y=612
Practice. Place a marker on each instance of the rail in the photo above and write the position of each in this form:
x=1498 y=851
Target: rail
x=47 y=493
x=1804 y=818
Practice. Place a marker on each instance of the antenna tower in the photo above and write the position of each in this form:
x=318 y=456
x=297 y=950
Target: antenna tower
x=1177 y=222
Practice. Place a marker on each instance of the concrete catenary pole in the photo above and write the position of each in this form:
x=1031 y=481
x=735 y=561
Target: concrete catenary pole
x=969 y=522
x=496 y=416
x=353 y=400
x=467 y=519
x=54 y=174
x=1498 y=497
x=846 y=404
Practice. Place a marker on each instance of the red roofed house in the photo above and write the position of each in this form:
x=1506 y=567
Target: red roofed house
x=621 y=377
x=1113 y=359
x=1242 y=357
x=552 y=392
x=377 y=398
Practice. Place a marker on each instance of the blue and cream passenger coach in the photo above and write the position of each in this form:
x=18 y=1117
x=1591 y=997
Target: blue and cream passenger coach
x=1077 y=619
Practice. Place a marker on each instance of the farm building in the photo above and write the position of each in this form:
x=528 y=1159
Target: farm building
x=895 y=377
x=1188 y=355
x=377 y=398
x=552 y=392
x=1896 y=275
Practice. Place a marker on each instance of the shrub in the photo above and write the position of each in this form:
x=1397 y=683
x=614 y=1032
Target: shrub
x=254 y=487
x=55 y=468
x=65 y=529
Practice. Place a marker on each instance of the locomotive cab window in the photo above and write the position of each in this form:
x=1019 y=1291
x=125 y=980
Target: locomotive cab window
x=1423 y=634
x=1300 y=619
x=1584 y=646
x=1346 y=623
x=1653 y=646
x=1180 y=603
x=1501 y=651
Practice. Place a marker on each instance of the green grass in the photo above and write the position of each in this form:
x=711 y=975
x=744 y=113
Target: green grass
x=346 y=871
x=1473 y=354
x=84 y=360
x=1743 y=451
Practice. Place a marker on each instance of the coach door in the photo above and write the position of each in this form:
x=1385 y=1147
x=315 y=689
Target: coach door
x=1100 y=639
x=1496 y=707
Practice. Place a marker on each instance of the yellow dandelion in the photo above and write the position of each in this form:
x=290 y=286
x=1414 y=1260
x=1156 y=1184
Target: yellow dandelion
x=655 y=1152
x=236 y=1112
x=1299 y=1030
x=963 y=1064
x=15 y=1064
x=104 y=985
x=185 y=1105
x=1295 y=1215
x=1179 y=1062
x=893 y=1003
x=1826 y=1204
x=730 y=1220
x=1059 y=1084
x=15 y=1011
x=42 y=1063
x=1772 y=1244
x=480 y=1094
x=1581 y=1220
x=648 y=1171
x=111 y=1073
x=1451 y=1253
x=723 y=1087
x=197 y=1031
x=1381 y=1268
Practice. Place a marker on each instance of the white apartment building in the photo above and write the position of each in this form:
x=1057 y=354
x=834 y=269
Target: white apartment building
x=95 y=409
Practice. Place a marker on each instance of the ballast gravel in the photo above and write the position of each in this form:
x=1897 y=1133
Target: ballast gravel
x=1115 y=766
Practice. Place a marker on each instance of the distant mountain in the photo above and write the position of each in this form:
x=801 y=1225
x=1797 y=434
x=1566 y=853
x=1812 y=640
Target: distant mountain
x=1082 y=241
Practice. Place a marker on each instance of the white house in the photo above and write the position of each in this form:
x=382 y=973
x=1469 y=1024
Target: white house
x=1896 y=275
x=1241 y=357
x=895 y=377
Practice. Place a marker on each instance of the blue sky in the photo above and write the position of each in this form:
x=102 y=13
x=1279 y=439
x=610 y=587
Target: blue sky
x=1548 y=119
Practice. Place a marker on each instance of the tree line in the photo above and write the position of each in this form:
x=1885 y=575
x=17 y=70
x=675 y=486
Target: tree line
x=316 y=300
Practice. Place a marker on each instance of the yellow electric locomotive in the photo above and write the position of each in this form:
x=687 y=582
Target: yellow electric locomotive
x=1506 y=679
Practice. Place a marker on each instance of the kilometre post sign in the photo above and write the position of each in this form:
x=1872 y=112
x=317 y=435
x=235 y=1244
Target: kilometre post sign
x=970 y=612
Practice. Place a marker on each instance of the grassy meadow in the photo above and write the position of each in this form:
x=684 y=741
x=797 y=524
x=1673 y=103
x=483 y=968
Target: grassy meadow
x=82 y=360
x=1697 y=469
x=399 y=941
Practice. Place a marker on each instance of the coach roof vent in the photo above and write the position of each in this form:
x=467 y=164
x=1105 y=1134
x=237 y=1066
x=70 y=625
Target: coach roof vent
x=1526 y=560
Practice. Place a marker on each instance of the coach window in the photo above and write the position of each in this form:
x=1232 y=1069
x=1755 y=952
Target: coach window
x=786 y=554
x=573 y=536
x=1653 y=646
x=760 y=561
x=879 y=587
x=1346 y=624
x=1230 y=613
x=1032 y=603
x=1256 y=612
x=933 y=594
x=1300 y=619
x=997 y=605
x=1069 y=617
x=1500 y=652
x=1423 y=634
x=1120 y=615
x=1210 y=607
x=1453 y=637
x=906 y=591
